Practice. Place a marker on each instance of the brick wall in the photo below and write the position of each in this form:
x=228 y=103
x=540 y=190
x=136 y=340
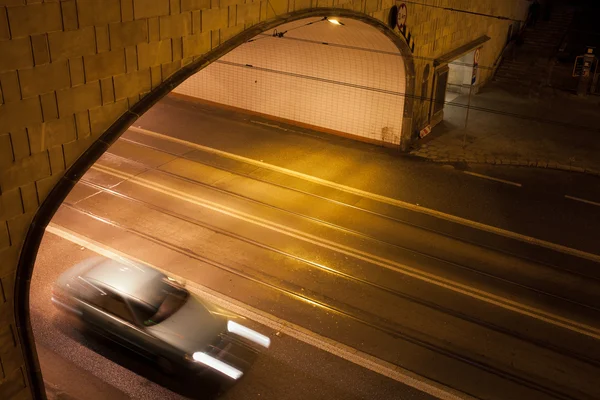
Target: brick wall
x=70 y=68
x=437 y=31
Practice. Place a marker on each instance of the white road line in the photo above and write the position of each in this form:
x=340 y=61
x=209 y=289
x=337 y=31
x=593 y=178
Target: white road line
x=491 y=178
x=457 y=287
x=345 y=352
x=583 y=200
x=380 y=198
x=266 y=124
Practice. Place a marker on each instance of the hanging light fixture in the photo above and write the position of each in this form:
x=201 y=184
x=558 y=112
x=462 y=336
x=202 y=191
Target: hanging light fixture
x=334 y=21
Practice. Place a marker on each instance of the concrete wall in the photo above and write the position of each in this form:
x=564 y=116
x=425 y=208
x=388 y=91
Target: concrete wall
x=460 y=74
x=70 y=69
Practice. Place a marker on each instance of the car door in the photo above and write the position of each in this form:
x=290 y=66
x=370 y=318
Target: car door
x=109 y=314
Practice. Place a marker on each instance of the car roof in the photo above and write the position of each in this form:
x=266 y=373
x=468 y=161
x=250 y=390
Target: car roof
x=127 y=278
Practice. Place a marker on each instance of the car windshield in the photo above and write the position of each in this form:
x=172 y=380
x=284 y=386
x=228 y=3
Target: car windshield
x=168 y=298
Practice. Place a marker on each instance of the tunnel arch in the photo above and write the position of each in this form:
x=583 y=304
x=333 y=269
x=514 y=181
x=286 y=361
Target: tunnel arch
x=346 y=79
x=72 y=175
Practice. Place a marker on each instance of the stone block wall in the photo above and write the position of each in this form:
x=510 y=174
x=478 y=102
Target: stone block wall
x=437 y=30
x=70 y=68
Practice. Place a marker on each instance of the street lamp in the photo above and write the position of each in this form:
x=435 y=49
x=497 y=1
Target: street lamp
x=334 y=21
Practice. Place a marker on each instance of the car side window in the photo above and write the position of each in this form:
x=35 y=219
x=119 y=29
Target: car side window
x=114 y=305
x=143 y=312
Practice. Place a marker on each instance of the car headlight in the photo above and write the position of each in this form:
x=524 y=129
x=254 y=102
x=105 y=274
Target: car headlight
x=248 y=333
x=217 y=365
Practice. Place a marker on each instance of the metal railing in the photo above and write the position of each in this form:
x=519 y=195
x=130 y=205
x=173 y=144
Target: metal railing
x=512 y=42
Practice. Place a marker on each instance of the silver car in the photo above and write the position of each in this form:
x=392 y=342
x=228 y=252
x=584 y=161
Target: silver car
x=155 y=316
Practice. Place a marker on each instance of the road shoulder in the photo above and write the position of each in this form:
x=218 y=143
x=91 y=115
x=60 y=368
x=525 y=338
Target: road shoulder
x=66 y=381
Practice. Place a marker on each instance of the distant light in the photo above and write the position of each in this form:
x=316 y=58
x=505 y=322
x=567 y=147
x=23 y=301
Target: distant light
x=248 y=333
x=334 y=21
x=217 y=365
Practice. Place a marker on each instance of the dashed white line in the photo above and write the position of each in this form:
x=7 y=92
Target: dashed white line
x=404 y=269
x=267 y=124
x=582 y=200
x=345 y=352
x=491 y=178
x=377 y=197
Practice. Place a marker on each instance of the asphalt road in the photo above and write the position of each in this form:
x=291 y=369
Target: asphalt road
x=538 y=208
x=290 y=369
x=491 y=315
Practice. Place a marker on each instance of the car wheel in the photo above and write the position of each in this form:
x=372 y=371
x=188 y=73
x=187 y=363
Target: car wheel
x=165 y=366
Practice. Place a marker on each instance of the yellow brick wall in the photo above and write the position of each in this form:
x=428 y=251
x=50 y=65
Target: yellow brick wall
x=438 y=31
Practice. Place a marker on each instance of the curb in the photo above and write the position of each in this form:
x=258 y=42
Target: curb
x=53 y=392
x=512 y=162
x=65 y=380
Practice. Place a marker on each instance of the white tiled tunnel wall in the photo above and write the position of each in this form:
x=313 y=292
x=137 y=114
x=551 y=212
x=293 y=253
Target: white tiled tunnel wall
x=354 y=85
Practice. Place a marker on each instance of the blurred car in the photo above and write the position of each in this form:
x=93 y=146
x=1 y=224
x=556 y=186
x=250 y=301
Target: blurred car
x=155 y=316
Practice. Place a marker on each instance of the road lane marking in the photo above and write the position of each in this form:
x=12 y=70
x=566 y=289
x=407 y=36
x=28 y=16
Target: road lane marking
x=582 y=200
x=457 y=287
x=491 y=178
x=297 y=332
x=269 y=125
x=380 y=198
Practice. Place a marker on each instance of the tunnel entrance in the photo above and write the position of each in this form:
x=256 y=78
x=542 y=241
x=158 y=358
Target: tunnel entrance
x=341 y=77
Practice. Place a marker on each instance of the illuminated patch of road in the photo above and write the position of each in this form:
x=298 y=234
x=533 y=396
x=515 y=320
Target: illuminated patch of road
x=457 y=287
x=380 y=198
x=491 y=178
x=348 y=353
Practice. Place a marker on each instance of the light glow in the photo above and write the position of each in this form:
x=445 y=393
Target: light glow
x=217 y=365
x=249 y=334
x=334 y=21
x=61 y=304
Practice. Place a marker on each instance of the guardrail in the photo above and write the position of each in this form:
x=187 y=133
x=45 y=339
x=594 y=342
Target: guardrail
x=510 y=44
